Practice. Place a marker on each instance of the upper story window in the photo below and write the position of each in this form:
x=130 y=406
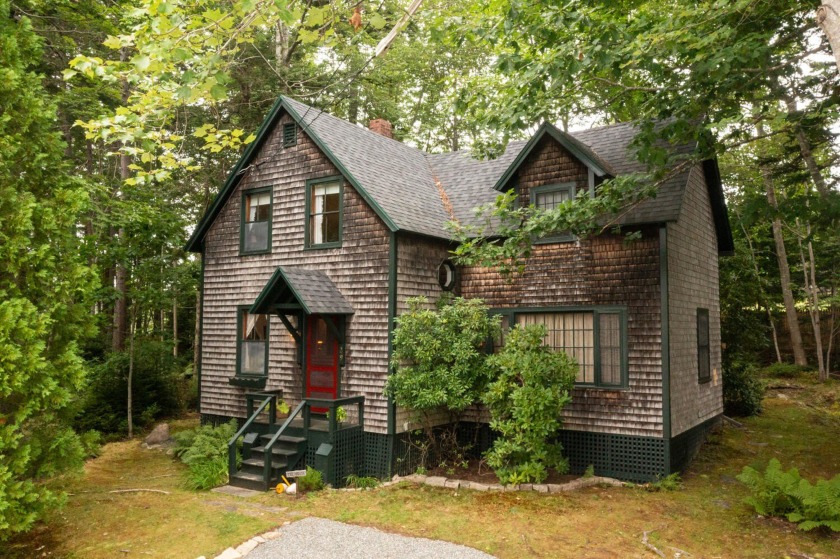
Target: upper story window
x=549 y=197
x=256 y=222
x=596 y=338
x=289 y=134
x=252 y=344
x=704 y=368
x=324 y=212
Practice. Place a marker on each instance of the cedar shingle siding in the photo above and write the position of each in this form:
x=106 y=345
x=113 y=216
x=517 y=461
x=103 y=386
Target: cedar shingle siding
x=393 y=192
x=358 y=269
x=603 y=270
x=693 y=284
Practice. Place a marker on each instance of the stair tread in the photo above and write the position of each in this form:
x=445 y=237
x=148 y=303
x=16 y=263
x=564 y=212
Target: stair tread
x=259 y=462
x=248 y=476
x=276 y=450
x=285 y=438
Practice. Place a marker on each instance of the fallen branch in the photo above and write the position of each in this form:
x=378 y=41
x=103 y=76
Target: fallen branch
x=734 y=423
x=139 y=491
x=650 y=546
x=680 y=552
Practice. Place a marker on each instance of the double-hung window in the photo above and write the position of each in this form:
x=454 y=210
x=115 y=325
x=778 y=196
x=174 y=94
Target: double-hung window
x=323 y=212
x=704 y=368
x=596 y=338
x=256 y=222
x=547 y=198
x=252 y=344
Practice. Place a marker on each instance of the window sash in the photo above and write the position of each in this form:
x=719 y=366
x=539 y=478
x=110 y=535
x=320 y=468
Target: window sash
x=256 y=222
x=596 y=338
x=325 y=213
x=252 y=342
x=704 y=370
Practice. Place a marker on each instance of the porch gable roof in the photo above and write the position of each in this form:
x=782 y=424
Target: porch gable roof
x=313 y=290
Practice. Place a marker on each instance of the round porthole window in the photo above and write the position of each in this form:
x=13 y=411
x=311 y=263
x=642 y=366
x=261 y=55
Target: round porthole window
x=446 y=275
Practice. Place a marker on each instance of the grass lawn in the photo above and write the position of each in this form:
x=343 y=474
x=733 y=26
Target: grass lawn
x=800 y=426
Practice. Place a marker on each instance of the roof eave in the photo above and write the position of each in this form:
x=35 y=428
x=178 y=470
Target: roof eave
x=196 y=241
x=557 y=135
x=725 y=241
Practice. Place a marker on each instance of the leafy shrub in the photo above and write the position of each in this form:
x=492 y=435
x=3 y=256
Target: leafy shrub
x=742 y=389
x=312 y=481
x=788 y=495
x=158 y=389
x=359 y=482
x=439 y=362
x=532 y=386
x=204 y=450
x=785 y=370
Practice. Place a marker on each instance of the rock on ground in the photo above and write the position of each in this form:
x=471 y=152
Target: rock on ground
x=160 y=434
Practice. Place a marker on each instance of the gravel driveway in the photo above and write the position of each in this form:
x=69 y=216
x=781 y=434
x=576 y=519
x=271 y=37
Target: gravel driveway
x=317 y=538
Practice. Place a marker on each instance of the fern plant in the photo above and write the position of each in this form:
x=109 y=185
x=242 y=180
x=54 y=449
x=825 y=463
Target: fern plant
x=205 y=451
x=788 y=495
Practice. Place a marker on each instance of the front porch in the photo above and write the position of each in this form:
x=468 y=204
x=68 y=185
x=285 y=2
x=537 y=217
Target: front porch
x=326 y=434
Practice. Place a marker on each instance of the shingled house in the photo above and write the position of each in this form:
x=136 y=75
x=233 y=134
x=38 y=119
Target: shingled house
x=324 y=229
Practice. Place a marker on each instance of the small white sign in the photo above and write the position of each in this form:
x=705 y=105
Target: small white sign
x=296 y=473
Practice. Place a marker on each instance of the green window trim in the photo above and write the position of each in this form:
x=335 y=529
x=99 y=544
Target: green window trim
x=289 y=134
x=597 y=312
x=568 y=188
x=249 y=378
x=308 y=244
x=243 y=221
x=704 y=354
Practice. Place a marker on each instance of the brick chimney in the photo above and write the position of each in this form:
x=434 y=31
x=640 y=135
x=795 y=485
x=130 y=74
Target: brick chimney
x=381 y=127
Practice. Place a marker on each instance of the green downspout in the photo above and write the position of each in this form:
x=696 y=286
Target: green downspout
x=392 y=313
x=664 y=312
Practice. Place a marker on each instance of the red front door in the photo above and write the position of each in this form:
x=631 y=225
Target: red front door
x=321 y=360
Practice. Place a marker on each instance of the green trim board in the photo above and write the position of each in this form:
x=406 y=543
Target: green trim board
x=243 y=220
x=307 y=237
x=583 y=153
x=200 y=330
x=597 y=311
x=196 y=241
x=393 y=253
x=567 y=187
x=665 y=336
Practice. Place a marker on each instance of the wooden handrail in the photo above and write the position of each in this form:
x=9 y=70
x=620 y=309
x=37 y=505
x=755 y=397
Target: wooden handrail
x=232 y=442
x=270 y=444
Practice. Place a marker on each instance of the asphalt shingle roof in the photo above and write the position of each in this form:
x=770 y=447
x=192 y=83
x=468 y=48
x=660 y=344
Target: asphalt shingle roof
x=313 y=289
x=418 y=192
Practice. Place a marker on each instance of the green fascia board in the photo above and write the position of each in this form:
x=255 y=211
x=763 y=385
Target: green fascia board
x=725 y=242
x=564 y=140
x=278 y=279
x=341 y=168
x=194 y=244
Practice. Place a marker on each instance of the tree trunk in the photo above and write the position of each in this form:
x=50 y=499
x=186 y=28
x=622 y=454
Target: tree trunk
x=120 y=315
x=828 y=18
x=807 y=154
x=129 y=415
x=809 y=271
x=784 y=266
x=763 y=301
x=175 y=326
